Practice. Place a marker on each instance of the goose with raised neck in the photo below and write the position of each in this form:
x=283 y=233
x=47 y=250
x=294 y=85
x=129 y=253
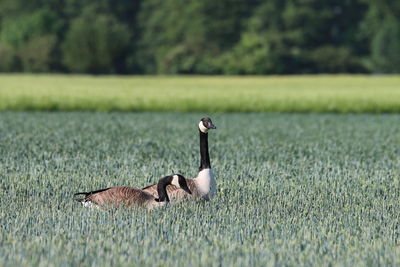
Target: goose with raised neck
x=202 y=186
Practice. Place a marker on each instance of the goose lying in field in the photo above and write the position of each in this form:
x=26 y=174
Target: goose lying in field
x=129 y=196
x=204 y=185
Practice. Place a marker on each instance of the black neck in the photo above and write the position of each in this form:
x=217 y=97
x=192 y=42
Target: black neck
x=204 y=156
x=162 y=189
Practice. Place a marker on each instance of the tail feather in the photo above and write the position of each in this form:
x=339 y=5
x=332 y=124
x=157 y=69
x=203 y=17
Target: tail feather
x=88 y=194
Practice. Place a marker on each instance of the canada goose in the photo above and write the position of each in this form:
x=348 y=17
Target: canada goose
x=204 y=185
x=128 y=196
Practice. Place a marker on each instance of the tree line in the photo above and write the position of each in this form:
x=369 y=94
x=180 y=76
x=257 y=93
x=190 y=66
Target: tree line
x=200 y=36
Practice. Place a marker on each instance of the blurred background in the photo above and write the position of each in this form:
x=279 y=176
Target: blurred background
x=200 y=37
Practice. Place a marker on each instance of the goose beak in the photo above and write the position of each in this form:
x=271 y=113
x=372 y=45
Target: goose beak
x=212 y=126
x=187 y=190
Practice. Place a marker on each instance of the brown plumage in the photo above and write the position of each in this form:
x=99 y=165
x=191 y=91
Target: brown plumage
x=129 y=196
x=118 y=196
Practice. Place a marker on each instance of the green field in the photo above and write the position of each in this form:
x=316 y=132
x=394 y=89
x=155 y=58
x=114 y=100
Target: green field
x=293 y=189
x=372 y=94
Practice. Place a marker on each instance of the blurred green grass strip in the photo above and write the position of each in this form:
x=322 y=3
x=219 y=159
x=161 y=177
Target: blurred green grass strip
x=322 y=93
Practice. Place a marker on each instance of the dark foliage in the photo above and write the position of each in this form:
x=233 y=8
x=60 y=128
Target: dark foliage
x=200 y=37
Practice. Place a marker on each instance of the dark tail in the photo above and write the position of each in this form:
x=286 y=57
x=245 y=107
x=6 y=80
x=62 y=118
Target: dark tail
x=88 y=194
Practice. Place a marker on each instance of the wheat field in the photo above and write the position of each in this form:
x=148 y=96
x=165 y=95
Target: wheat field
x=293 y=189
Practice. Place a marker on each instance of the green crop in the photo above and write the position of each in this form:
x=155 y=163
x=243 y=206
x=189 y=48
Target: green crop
x=372 y=94
x=293 y=189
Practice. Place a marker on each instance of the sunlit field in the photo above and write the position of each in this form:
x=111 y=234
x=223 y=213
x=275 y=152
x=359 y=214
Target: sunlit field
x=293 y=189
x=372 y=94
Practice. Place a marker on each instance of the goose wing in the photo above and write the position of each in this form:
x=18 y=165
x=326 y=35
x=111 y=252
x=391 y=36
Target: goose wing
x=152 y=190
x=121 y=195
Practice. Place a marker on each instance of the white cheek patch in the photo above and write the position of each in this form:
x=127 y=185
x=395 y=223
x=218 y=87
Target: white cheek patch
x=175 y=181
x=202 y=127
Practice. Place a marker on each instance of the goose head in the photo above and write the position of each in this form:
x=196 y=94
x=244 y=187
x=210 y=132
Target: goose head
x=206 y=124
x=176 y=180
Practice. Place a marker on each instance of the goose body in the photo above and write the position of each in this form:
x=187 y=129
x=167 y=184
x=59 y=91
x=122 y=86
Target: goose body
x=204 y=185
x=129 y=196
